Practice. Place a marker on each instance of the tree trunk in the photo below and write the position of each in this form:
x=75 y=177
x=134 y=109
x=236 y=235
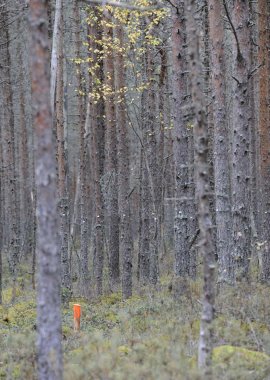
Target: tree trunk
x=1 y=211
x=221 y=141
x=241 y=181
x=84 y=255
x=125 y=233
x=49 y=278
x=111 y=164
x=202 y=183
x=63 y=205
x=264 y=101
x=8 y=135
x=144 y=227
x=26 y=181
x=97 y=131
x=184 y=202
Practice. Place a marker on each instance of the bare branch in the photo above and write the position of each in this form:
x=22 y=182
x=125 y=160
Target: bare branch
x=239 y=54
x=123 y=5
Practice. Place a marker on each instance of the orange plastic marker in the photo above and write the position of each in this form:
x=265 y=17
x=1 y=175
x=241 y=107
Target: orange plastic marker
x=77 y=316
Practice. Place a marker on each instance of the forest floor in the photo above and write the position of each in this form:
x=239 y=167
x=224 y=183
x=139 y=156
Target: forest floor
x=153 y=335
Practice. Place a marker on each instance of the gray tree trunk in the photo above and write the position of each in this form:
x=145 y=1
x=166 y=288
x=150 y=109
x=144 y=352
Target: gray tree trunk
x=97 y=132
x=111 y=166
x=63 y=205
x=184 y=202
x=25 y=172
x=221 y=140
x=264 y=137
x=125 y=233
x=241 y=176
x=144 y=226
x=8 y=135
x=1 y=212
x=202 y=183
x=151 y=153
x=84 y=253
x=49 y=277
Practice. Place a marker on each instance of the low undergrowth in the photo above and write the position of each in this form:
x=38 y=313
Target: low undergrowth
x=153 y=335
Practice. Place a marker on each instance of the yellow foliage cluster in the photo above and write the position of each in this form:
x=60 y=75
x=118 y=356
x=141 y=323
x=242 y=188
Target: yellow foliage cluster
x=140 y=34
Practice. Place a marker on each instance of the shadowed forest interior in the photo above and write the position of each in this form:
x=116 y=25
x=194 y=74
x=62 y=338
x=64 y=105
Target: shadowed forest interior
x=134 y=189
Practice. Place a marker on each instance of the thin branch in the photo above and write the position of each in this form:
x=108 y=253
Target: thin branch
x=172 y=4
x=236 y=80
x=255 y=70
x=239 y=54
x=122 y=5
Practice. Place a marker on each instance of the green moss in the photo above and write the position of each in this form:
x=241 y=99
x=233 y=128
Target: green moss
x=165 y=280
x=16 y=373
x=112 y=317
x=240 y=362
x=133 y=299
x=111 y=299
x=8 y=293
x=242 y=356
x=22 y=314
x=139 y=324
x=67 y=331
x=124 y=350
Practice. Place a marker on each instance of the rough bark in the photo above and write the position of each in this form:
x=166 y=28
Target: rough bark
x=125 y=234
x=1 y=212
x=184 y=202
x=97 y=154
x=8 y=135
x=63 y=204
x=163 y=122
x=26 y=204
x=84 y=254
x=111 y=166
x=221 y=140
x=202 y=182
x=49 y=277
x=241 y=181
x=144 y=226
x=147 y=241
x=264 y=137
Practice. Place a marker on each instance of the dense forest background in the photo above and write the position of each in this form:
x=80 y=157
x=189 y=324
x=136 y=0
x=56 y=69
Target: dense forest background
x=135 y=180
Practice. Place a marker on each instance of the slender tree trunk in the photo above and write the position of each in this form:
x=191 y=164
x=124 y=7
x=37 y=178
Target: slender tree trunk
x=84 y=254
x=63 y=205
x=169 y=209
x=151 y=161
x=241 y=181
x=8 y=135
x=264 y=120
x=125 y=233
x=111 y=164
x=221 y=140
x=99 y=204
x=184 y=203
x=26 y=208
x=1 y=212
x=97 y=153
x=160 y=197
x=147 y=241
x=49 y=277
x=202 y=183
x=144 y=228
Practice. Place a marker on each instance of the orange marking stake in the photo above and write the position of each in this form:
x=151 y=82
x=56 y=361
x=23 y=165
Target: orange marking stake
x=77 y=316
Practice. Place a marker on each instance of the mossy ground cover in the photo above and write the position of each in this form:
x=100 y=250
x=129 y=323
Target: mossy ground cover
x=153 y=335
